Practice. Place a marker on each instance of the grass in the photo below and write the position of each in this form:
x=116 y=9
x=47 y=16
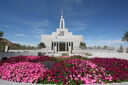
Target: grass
x=58 y=59
x=88 y=54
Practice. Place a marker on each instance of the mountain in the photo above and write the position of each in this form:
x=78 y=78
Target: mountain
x=4 y=41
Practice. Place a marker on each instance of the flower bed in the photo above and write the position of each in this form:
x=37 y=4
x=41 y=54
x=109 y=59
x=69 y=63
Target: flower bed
x=23 y=68
x=118 y=68
x=23 y=72
x=26 y=59
x=65 y=70
x=76 y=71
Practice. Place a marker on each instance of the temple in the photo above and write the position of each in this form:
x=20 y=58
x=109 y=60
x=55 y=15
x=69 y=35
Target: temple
x=62 y=40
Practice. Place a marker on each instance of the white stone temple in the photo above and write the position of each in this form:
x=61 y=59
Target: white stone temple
x=62 y=40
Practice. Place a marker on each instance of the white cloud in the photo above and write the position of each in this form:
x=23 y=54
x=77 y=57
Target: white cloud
x=3 y=26
x=78 y=23
x=92 y=41
x=19 y=35
x=14 y=36
x=116 y=42
x=38 y=27
x=78 y=26
x=39 y=24
x=37 y=36
x=111 y=42
x=38 y=31
x=100 y=37
x=101 y=29
x=26 y=43
x=73 y=1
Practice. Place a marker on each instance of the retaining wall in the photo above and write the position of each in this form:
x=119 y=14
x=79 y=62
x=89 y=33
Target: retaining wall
x=11 y=54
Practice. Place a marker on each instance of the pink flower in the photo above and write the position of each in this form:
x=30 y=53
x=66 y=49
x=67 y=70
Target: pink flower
x=79 y=76
x=76 y=79
x=23 y=72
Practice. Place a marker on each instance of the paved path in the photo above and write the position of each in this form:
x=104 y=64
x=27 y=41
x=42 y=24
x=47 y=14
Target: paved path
x=4 y=82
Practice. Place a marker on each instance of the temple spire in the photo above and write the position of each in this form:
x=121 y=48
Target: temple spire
x=62 y=13
x=62 y=23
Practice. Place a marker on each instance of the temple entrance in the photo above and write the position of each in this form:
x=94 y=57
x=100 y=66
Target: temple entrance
x=62 y=47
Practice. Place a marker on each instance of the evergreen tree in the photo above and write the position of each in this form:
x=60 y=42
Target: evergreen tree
x=120 y=49
x=99 y=47
x=125 y=37
x=2 y=44
x=82 y=45
x=105 y=47
x=41 y=45
x=1 y=34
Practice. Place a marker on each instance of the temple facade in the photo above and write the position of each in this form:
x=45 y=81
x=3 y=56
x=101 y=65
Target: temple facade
x=62 y=40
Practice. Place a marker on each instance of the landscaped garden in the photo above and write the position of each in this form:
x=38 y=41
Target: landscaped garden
x=63 y=70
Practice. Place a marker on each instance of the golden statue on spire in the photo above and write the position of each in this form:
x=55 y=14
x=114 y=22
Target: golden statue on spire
x=62 y=12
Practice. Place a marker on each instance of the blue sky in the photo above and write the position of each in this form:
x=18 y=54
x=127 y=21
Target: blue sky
x=101 y=22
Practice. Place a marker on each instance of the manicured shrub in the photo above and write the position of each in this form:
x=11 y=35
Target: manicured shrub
x=88 y=54
x=79 y=57
x=65 y=54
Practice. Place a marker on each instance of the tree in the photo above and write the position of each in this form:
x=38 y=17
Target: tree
x=41 y=45
x=1 y=33
x=18 y=46
x=105 y=47
x=94 y=47
x=125 y=37
x=2 y=46
x=82 y=45
x=90 y=47
x=99 y=47
x=120 y=49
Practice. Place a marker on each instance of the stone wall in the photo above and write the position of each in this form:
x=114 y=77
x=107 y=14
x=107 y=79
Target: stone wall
x=110 y=55
x=12 y=54
x=95 y=53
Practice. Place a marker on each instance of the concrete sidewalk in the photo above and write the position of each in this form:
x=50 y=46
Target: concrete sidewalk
x=4 y=82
